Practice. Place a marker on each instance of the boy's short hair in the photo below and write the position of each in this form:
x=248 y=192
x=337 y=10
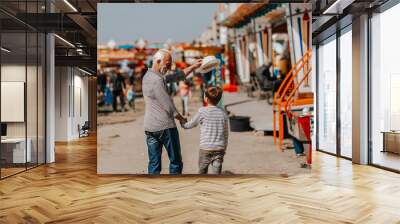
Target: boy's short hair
x=214 y=94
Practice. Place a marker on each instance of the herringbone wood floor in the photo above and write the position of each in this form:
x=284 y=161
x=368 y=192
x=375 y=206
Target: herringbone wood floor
x=69 y=191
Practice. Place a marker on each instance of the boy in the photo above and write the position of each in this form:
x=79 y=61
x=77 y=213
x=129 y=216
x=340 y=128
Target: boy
x=213 y=132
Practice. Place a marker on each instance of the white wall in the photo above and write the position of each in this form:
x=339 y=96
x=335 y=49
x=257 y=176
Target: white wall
x=71 y=102
x=80 y=94
x=33 y=126
x=61 y=103
x=12 y=73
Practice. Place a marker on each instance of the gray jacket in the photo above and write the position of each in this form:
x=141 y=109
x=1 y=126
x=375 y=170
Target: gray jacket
x=160 y=110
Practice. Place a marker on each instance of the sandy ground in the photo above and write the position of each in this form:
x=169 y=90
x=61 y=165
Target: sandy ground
x=259 y=110
x=122 y=148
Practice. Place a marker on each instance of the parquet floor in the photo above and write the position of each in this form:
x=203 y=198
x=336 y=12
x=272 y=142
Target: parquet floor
x=10 y=171
x=69 y=191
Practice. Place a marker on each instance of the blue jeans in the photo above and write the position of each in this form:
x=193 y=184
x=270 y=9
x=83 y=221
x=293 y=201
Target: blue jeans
x=298 y=146
x=169 y=138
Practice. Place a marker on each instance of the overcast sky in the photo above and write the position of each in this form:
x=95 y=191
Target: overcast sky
x=155 y=22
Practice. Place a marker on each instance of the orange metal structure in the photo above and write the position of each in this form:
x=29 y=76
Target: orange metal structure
x=284 y=97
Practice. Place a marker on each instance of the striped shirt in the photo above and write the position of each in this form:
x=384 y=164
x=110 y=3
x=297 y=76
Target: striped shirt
x=160 y=110
x=213 y=127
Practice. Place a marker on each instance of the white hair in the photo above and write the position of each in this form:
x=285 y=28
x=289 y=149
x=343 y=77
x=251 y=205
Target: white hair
x=160 y=55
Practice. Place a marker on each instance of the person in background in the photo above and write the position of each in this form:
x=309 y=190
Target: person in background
x=119 y=92
x=102 y=80
x=131 y=73
x=186 y=94
x=100 y=98
x=159 y=115
x=276 y=83
x=143 y=70
x=207 y=81
x=298 y=147
x=131 y=97
x=213 y=132
x=173 y=79
x=104 y=95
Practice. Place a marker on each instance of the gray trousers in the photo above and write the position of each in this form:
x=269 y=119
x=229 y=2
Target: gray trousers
x=211 y=158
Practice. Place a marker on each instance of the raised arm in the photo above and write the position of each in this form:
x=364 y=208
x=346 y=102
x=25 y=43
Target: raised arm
x=187 y=71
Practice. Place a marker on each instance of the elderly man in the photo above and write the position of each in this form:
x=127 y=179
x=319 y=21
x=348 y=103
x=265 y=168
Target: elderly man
x=160 y=112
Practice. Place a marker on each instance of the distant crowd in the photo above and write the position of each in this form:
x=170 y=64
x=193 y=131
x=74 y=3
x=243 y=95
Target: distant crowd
x=118 y=88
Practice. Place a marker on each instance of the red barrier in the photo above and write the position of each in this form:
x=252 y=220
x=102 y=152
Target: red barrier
x=304 y=122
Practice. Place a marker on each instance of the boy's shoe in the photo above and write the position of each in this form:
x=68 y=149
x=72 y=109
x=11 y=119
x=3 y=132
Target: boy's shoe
x=300 y=154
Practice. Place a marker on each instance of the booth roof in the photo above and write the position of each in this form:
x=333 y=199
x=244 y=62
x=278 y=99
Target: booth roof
x=206 y=50
x=126 y=46
x=246 y=11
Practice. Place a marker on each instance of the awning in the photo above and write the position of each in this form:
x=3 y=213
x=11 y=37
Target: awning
x=246 y=11
x=126 y=46
x=242 y=13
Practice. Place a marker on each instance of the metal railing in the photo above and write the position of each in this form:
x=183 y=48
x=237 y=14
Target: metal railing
x=286 y=92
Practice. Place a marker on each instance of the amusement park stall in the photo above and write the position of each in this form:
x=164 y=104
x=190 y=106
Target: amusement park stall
x=271 y=44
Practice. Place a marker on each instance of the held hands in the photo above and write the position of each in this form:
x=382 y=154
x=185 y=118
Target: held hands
x=182 y=120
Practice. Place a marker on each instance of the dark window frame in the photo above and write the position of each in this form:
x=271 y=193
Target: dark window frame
x=29 y=29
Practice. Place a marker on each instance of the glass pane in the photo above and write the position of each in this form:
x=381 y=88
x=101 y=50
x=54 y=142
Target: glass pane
x=13 y=86
x=7 y=23
x=18 y=6
x=386 y=89
x=41 y=99
x=346 y=94
x=31 y=87
x=327 y=97
x=31 y=97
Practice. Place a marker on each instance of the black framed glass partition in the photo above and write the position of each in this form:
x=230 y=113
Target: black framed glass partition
x=22 y=78
x=377 y=86
x=14 y=153
x=385 y=88
x=327 y=95
x=345 y=93
x=334 y=98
